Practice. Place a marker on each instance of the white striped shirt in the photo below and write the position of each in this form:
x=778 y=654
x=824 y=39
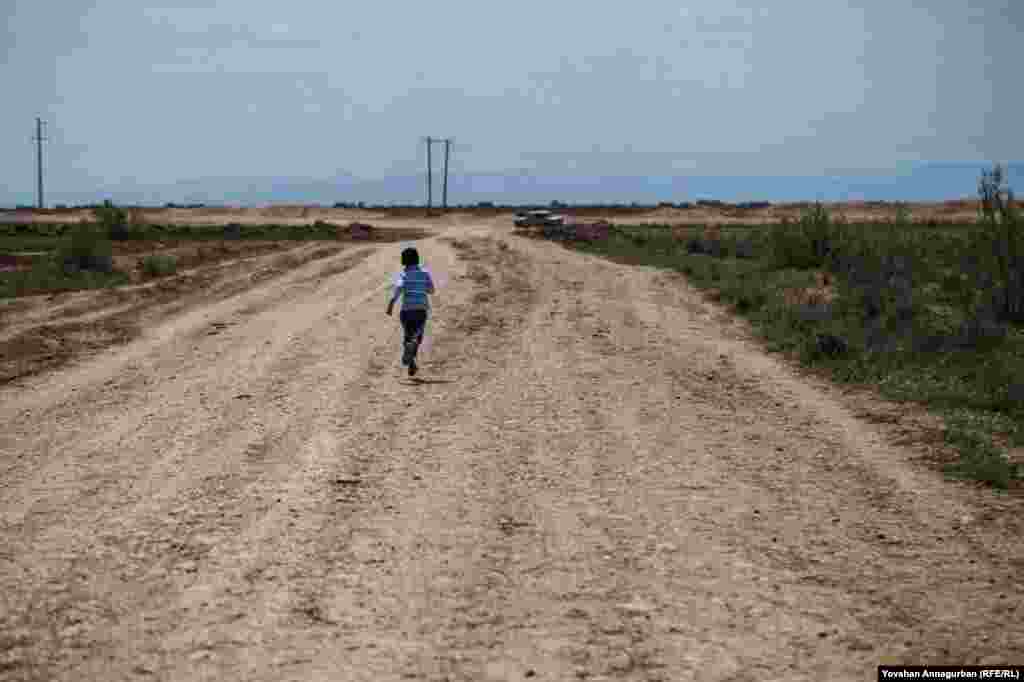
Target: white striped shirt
x=413 y=284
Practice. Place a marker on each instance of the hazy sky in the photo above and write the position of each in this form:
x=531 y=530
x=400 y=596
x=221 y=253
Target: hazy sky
x=138 y=91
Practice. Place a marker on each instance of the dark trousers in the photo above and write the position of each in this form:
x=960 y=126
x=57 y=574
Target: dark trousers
x=414 y=323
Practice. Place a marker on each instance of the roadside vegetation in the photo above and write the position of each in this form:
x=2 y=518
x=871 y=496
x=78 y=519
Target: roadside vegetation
x=75 y=256
x=158 y=265
x=81 y=258
x=927 y=314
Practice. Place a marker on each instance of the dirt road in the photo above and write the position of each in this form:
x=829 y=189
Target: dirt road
x=599 y=477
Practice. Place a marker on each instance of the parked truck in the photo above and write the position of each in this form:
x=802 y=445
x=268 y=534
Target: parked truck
x=538 y=218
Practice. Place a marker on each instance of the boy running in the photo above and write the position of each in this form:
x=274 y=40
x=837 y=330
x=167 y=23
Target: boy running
x=414 y=285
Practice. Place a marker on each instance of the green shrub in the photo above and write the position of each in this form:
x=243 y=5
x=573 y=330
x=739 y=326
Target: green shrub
x=903 y=215
x=159 y=265
x=979 y=458
x=749 y=297
x=50 y=275
x=113 y=221
x=86 y=248
x=744 y=248
x=809 y=243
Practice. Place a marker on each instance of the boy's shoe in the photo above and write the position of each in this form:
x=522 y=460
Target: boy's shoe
x=413 y=368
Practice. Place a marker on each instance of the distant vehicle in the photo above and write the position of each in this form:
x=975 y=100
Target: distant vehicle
x=538 y=219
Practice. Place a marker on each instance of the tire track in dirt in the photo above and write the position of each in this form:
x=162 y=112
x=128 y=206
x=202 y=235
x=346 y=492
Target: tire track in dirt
x=815 y=505
x=152 y=504
x=363 y=495
x=480 y=558
x=76 y=331
x=908 y=542
x=137 y=385
x=617 y=616
x=209 y=572
x=80 y=306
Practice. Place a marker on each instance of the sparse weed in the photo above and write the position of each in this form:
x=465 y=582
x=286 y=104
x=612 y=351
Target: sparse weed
x=159 y=265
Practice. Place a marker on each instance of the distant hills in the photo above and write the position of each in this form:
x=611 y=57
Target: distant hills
x=923 y=182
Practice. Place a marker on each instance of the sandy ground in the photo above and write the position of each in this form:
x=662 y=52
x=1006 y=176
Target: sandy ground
x=599 y=477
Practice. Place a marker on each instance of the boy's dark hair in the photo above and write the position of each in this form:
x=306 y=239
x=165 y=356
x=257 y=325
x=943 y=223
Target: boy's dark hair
x=410 y=256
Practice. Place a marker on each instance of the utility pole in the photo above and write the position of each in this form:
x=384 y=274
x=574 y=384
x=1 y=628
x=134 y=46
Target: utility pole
x=430 y=187
x=430 y=166
x=444 y=196
x=39 y=139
